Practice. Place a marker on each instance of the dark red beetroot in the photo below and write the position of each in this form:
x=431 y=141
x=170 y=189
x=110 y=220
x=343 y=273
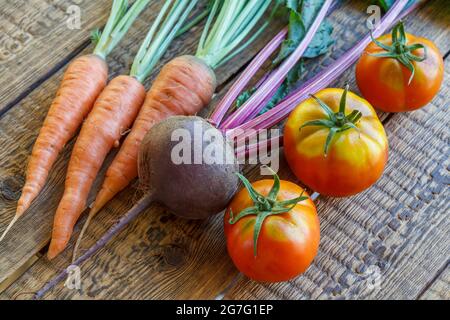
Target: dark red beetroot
x=194 y=190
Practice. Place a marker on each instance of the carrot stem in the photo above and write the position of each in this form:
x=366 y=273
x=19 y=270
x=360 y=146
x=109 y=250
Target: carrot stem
x=118 y=24
x=135 y=68
x=239 y=37
x=163 y=31
x=201 y=44
x=174 y=29
x=196 y=20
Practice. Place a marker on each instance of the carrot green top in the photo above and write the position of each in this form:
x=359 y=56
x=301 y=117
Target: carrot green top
x=168 y=24
x=119 y=22
x=234 y=22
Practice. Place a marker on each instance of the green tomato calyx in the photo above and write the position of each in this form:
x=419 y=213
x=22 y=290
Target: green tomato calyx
x=264 y=206
x=336 y=121
x=400 y=50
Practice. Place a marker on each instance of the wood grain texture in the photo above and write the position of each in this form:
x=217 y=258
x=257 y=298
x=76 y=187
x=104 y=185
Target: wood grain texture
x=160 y=256
x=19 y=128
x=42 y=34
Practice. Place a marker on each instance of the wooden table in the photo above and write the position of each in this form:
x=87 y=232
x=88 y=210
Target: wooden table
x=396 y=234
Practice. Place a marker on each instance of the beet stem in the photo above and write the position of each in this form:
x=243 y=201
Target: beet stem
x=329 y=74
x=115 y=229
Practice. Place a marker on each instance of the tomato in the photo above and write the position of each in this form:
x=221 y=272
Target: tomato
x=335 y=143
x=385 y=81
x=287 y=239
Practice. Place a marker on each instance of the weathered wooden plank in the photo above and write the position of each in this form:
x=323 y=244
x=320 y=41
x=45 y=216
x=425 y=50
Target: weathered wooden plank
x=42 y=34
x=440 y=288
x=396 y=234
x=185 y=259
x=19 y=128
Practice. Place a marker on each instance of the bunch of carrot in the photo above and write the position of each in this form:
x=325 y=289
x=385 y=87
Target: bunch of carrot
x=83 y=81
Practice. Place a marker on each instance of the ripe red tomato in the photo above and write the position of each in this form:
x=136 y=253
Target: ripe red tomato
x=335 y=143
x=387 y=81
x=272 y=234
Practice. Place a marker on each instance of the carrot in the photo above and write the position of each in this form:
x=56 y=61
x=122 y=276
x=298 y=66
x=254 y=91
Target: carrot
x=113 y=113
x=184 y=86
x=83 y=81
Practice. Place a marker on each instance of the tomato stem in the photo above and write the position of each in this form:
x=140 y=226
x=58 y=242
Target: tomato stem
x=264 y=206
x=336 y=122
x=400 y=50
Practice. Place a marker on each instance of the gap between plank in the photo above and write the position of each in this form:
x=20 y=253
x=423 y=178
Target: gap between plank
x=45 y=77
x=18 y=273
x=433 y=280
x=446 y=55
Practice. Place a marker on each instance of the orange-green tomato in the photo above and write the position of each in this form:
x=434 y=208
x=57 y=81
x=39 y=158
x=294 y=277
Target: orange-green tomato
x=356 y=158
x=384 y=82
x=287 y=243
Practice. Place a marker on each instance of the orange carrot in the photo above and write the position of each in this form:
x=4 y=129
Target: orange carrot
x=112 y=114
x=184 y=86
x=83 y=81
